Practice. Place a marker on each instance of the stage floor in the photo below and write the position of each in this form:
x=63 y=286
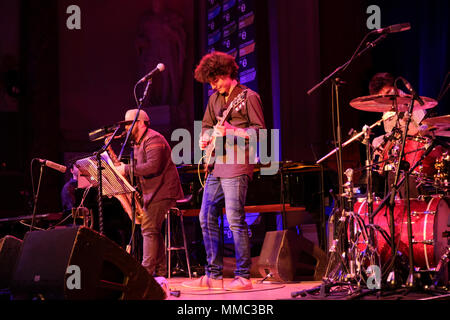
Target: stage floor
x=269 y=290
x=261 y=291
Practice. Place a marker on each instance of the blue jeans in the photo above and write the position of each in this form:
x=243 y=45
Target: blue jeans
x=231 y=192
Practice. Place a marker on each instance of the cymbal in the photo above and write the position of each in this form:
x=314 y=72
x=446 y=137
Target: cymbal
x=441 y=120
x=439 y=131
x=385 y=102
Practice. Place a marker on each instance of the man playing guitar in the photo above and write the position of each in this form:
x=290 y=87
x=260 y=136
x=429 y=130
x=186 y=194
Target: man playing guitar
x=229 y=124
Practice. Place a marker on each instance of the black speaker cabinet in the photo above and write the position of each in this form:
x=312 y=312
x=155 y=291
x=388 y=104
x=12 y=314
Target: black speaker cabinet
x=9 y=252
x=78 y=263
x=288 y=256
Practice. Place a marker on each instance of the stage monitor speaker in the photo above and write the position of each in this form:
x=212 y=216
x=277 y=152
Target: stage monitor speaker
x=287 y=256
x=9 y=252
x=78 y=263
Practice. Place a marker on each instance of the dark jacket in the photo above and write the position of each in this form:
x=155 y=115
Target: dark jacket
x=155 y=170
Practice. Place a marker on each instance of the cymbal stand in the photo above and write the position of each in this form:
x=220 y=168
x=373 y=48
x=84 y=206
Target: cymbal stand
x=411 y=279
x=394 y=189
x=408 y=116
x=369 y=161
x=350 y=225
x=371 y=250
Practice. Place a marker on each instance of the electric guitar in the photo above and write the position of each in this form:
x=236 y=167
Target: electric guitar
x=237 y=104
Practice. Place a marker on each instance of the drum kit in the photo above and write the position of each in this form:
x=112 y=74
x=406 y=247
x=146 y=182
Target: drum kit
x=403 y=229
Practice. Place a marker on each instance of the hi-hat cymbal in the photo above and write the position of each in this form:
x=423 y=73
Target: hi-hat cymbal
x=386 y=102
x=440 y=121
x=438 y=131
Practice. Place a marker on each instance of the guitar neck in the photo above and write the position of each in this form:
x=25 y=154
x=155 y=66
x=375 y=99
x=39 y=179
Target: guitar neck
x=233 y=104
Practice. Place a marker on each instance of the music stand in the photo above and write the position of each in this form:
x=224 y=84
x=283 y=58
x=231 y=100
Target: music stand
x=112 y=183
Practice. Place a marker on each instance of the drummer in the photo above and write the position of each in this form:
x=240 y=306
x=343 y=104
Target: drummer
x=383 y=84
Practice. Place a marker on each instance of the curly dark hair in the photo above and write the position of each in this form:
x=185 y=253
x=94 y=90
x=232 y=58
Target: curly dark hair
x=379 y=81
x=216 y=64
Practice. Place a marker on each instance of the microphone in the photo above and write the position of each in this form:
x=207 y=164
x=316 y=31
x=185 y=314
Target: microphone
x=412 y=91
x=106 y=131
x=159 y=68
x=102 y=132
x=53 y=165
x=394 y=28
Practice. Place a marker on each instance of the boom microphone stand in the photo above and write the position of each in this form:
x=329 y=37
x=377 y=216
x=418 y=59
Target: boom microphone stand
x=132 y=244
x=336 y=82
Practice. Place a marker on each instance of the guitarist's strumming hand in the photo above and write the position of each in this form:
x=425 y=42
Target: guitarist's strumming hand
x=204 y=141
x=218 y=131
x=221 y=130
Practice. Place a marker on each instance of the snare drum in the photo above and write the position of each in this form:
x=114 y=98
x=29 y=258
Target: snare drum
x=414 y=149
x=429 y=222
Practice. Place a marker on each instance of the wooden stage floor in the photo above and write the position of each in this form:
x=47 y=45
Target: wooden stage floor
x=261 y=291
x=269 y=290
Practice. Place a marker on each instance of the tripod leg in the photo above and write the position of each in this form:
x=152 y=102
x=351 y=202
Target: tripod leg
x=410 y=282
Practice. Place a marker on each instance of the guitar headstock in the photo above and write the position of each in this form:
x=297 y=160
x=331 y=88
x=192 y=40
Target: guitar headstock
x=239 y=102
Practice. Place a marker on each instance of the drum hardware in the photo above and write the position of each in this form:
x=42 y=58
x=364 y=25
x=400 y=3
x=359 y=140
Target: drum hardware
x=441 y=267
x=416 y=213
x=411 y=278
x=348 y=257
x=410 y=281
x=428 y=242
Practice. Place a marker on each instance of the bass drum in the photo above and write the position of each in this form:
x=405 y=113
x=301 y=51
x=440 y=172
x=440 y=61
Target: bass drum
x=430 y=221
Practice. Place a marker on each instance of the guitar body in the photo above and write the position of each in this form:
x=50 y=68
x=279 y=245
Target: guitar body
x=237 y=103
x=209 y=154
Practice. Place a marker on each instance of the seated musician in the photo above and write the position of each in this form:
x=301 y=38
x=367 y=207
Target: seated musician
x=68 y=192
x=160 y=184
x=383 y=84
x=394 y=125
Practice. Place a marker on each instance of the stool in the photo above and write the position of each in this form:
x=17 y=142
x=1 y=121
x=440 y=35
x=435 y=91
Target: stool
x=168 y=237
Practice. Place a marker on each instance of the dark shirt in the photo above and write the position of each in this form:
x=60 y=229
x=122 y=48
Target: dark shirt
x=250 y=116
x=68 y=195
x=156 y=173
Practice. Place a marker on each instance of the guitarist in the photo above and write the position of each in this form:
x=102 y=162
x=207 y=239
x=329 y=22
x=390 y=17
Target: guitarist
x=160 y=185
x=227 y=183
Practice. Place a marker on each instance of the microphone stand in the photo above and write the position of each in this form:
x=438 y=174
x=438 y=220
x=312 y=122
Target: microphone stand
x=336 y=82
x=335 y=93
x=36 y=196
x=132 y=166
